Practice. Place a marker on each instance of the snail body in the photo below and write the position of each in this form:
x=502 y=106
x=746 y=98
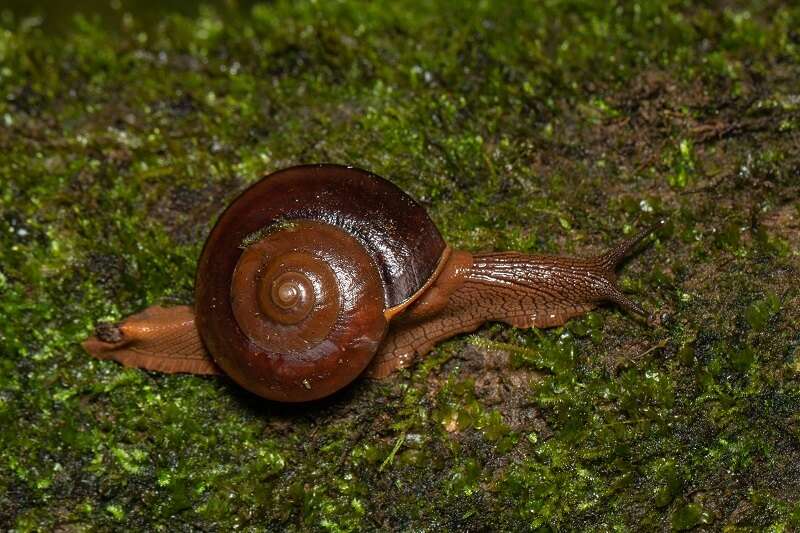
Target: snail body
x=318 y=274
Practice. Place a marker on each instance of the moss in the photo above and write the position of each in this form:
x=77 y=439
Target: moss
x=555 y=126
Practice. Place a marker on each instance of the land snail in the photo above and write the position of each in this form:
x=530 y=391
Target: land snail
x=318 y=274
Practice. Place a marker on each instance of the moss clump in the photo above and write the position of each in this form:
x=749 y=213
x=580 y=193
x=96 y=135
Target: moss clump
x=555 y=126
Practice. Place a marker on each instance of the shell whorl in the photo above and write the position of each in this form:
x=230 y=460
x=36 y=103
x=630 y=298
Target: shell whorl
x=299 y=291
x=295 y=277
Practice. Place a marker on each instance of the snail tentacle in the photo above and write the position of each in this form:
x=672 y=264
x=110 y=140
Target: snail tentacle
x=614 y=256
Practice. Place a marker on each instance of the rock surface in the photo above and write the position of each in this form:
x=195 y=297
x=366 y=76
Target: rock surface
x=537 y=126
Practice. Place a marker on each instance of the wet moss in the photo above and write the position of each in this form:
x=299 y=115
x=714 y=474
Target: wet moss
x=555 y=126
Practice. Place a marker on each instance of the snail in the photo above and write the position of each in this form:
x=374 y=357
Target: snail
x=317 y=274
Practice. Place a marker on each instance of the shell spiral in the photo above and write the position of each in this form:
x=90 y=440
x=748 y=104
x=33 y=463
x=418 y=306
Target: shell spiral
x=295 y=279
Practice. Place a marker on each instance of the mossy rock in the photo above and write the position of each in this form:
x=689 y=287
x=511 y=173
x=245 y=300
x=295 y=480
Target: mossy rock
x=546 y=126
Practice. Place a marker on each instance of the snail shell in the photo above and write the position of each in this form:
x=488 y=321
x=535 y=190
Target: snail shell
x=294 y=279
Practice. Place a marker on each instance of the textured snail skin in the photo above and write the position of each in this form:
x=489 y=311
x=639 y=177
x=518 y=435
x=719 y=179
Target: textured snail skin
x=162 y=339
x=522 y=290
x=318 y=274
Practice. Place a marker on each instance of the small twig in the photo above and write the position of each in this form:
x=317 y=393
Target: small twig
x=391 y=455
x=489 y=344
x=722 y=176
x=660 y=345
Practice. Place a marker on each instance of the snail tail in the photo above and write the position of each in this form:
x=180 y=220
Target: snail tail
x=162 y=339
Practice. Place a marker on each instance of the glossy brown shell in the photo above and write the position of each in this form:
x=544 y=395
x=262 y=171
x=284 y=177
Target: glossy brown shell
x=399 y=241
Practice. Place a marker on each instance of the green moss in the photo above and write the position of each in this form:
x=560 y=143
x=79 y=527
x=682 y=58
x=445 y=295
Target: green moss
x=688 y=516
x=546 y=127
x=682 y=161
x=761 y=311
